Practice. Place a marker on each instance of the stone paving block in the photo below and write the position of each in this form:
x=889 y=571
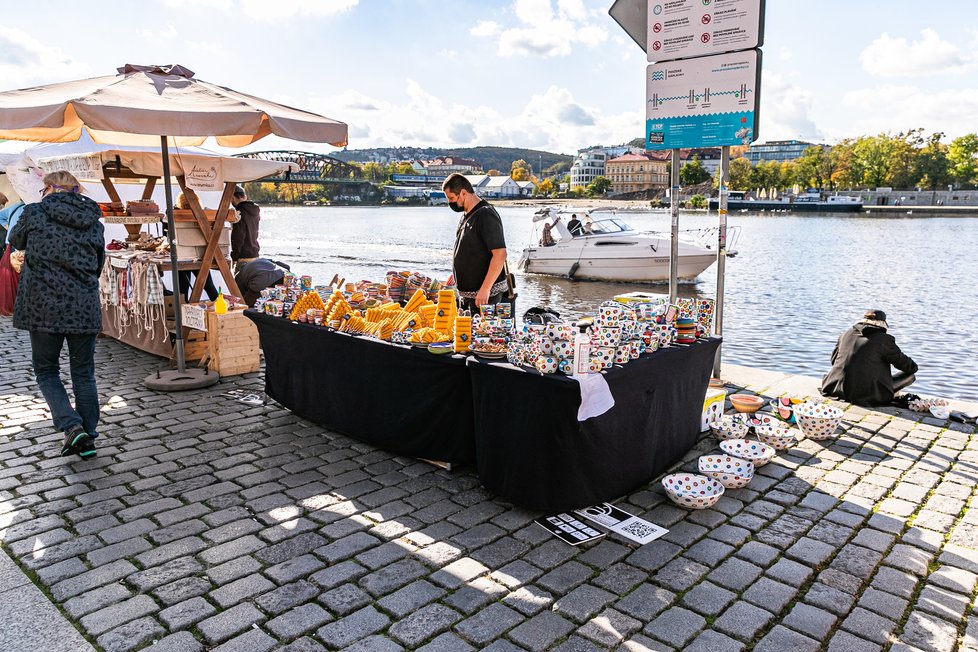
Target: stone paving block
x=519 y=572
x=770 y=595
x=735 y=574
x=94 y=599
x=834 y=600
x=410 y=598
x=233 y=570
x=298 y=621
x=960 y=557
x=843 y=641
x=293 y=569
x=306 y=644
x=885 y=604
x=869 y=625
x=908 y=558
x=943 y=603
x=565 y=577
x=130 y=636
x=528 y=600
x=287 y=596
x=709 y=551
x=91 y=579
x=352 y=628
x=609 y=628
x=541 y=631
x=187 y=613
x=583 y=602
x=377 y=643
x=345 y=599
x=473 y=595
x=45 y=624
x=711 y=641
x=810 y=551
x=680 y=574
x=117 y=614
x=390 y=578
x=895 y=581
x=653 y=557
x=226 y=624
x=179 y=642
x=619 y=578
x=810 y=620
x=758 y=553
x=346 y=547
x=188 y=587
x=231 y=550
x=789 y=572
x=458 y=572
x=953 y=579
x=676 y=626
x=231 y=594
x=707 y=598
x=251 y=641
x=645 y=602
x=338 y=574
x=170 y=551
x=929 y=632
x=781 y=639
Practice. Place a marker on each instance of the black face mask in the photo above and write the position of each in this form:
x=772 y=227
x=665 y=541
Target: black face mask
x=458 y=208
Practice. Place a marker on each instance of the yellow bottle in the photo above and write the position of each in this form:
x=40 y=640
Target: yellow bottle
x=220 y=305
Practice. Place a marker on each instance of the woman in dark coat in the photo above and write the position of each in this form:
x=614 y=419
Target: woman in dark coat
x=58 y=302
x=861 y=364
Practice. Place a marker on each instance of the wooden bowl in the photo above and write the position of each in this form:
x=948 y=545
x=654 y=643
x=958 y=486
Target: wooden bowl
x=746 y=402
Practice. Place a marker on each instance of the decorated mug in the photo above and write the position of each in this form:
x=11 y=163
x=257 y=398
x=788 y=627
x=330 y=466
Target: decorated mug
x=547 y=364
x=623 y=354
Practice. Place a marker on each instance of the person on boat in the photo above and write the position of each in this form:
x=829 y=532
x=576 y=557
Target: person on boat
x=58 y=301
x=546 y=239
x=861 y=364
x=479 y=255
x=574 y=226
x=257 y=275
x=244 y=232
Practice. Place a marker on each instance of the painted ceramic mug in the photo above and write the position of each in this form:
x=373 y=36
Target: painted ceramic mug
x=547 y=364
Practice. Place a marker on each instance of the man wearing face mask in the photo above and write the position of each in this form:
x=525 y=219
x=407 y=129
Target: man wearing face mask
x=479 y=257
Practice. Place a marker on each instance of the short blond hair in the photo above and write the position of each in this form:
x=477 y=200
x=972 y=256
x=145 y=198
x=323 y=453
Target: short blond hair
x=62 y=180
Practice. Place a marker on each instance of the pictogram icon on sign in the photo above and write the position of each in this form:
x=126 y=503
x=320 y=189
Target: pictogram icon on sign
x=657 y=28
x=656 y=46
x=705 y=37
x=706 y=19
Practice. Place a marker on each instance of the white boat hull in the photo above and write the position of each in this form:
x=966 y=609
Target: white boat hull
x=615 y=262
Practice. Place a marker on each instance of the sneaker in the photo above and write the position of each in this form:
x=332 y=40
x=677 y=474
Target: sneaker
x=74 y=438
x=86 y=448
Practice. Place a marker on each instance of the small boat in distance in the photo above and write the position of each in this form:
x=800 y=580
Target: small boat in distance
x=610 y=250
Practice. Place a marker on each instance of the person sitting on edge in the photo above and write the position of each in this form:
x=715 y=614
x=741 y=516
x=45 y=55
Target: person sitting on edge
x=546 y=239
x=244 y=232
x=861 y=364
x=574 y=226
x=257 y=275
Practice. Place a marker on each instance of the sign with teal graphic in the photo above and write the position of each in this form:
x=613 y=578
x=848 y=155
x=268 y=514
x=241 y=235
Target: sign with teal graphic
x=704 y=102
x=681 y=29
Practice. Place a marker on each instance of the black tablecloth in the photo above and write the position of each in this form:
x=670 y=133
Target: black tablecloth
x=404 y=400
x=531 y=449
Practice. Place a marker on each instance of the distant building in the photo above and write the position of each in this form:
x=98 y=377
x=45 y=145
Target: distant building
x=709 y=157
x=636 y=172
x=501 y=187
x=526 y=188
x=447 y=165
x=778 y=150
x=590 y=163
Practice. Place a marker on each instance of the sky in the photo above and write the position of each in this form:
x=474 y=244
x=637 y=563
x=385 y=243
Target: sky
x=556 y=75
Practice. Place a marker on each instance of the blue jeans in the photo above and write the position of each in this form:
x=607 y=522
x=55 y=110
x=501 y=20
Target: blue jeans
x=46 y=355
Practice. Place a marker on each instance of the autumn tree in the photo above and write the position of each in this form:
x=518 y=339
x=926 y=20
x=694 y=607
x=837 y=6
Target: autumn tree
x=545 y=188
x=933 y=169
x=520 y=171
x=962 y=154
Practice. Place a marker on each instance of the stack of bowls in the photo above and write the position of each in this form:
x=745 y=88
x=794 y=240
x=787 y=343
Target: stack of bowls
x=756 y=452
x=777 y=438
x=728 y=427
x=685 y=331
x=731 y=472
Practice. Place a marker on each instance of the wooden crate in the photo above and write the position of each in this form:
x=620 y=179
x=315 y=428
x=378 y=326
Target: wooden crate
x=232 y=342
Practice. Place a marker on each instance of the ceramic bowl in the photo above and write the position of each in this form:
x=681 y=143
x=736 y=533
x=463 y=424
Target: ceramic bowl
x=728 y=427
x=777 y=438
x=692 y=490
x=756 y=419
x=746 y=402
x=731 y=472
x=752 y=451
x=783 y=408
x=818 y=420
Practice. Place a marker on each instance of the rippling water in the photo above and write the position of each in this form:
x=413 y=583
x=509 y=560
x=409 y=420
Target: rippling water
x=796 y=283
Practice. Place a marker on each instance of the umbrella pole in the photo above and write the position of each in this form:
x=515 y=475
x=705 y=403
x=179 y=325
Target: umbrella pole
x=174 y=272
x=181 y=378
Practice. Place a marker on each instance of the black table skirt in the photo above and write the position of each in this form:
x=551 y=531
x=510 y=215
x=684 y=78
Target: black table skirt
x=404 y=400
x=531 y=449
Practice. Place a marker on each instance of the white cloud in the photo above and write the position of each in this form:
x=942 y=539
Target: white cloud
x=546 y=31
x=953 y=111
x=157 y=34
x=267 y=10
x=785 y=110
x=485 y=28
x=889 y=56
x=25 y=61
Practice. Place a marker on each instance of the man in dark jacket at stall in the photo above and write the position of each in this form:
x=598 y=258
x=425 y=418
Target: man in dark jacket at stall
x=257 y=275
x=861 y=364
x=244 y=232
x=58 y=301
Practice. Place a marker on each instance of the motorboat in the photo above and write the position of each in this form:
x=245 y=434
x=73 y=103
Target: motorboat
x=608 y=249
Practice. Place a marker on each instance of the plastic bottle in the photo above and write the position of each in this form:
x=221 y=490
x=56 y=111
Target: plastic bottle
x=220 y=304
x=582 y=350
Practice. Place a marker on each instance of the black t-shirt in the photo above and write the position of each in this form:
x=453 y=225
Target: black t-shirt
x=479 y=232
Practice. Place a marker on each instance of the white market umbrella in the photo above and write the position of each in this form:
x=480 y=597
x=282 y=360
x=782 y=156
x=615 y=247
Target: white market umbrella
x=165 y=105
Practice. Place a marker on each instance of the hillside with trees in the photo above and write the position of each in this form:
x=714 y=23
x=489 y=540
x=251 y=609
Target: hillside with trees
x=490 y=158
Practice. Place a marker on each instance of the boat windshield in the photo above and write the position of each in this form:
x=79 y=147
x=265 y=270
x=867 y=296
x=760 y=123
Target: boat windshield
x=605 y=227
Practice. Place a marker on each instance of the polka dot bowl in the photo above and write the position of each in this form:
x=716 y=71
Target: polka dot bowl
x=692 y=490
x=731 y=472
x=776 y=437
x=728 y=427
x=752 y=451
x=818 y=420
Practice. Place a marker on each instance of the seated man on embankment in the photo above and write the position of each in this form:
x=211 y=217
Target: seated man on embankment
x=861 y=364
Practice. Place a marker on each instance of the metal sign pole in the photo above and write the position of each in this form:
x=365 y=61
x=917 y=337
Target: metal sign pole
x=674 y=242
x=721 y=250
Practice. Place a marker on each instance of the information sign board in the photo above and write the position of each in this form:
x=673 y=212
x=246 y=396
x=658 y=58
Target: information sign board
x=703 y=102
x=682 y=29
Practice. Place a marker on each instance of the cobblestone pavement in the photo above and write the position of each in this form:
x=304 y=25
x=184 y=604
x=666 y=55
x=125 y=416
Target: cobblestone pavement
x=207 y=524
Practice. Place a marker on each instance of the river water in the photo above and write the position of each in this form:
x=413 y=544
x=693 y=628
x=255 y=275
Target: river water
x=796 y=282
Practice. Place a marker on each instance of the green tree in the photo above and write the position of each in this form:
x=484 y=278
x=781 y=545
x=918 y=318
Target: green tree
x=599 y=186
x=374 y=172
x=740 y=172
x=766 y=174
x=813 y=169
x=693 y=173
x=904 y=158
x=843 y=175
x=933 y=166
x=872 y=158
x=962 y=154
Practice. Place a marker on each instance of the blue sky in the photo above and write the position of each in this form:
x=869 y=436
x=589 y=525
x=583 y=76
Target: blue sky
x=549 y=74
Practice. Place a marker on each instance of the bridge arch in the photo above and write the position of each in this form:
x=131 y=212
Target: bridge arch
x=312 y=167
